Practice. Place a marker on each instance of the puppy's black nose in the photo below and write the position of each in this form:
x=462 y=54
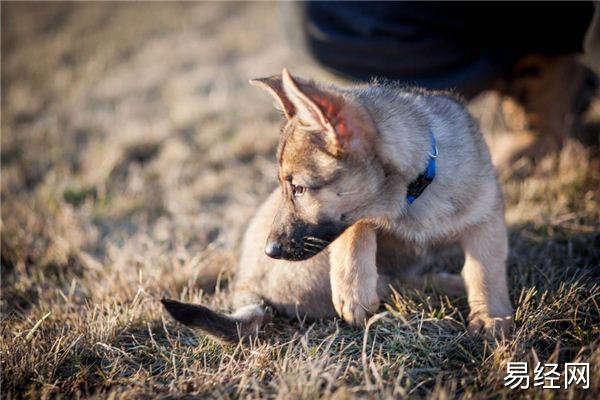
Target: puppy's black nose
x=273 y=249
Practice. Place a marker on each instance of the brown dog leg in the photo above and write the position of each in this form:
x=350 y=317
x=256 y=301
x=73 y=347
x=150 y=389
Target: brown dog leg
x=354 y=274
x=484 y=273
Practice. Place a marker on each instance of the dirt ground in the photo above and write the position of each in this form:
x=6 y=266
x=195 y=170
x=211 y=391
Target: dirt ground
x=134 y=153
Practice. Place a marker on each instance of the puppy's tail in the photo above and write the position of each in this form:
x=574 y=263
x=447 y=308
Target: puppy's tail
x=244 y=323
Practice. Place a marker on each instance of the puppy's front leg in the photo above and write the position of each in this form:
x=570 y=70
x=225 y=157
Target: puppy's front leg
x=484 y=273
x=354 y=274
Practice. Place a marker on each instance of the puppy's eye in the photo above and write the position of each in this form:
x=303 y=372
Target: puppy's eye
x=297 y=190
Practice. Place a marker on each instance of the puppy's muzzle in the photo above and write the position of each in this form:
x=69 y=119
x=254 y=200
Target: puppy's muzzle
x=304 y=241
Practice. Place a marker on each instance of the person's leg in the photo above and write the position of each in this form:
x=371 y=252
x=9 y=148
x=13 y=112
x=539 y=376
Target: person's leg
x=423 y=44
x=460 y=46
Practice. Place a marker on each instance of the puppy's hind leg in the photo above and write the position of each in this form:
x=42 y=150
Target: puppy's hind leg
x=451 y=285
x=244 y=323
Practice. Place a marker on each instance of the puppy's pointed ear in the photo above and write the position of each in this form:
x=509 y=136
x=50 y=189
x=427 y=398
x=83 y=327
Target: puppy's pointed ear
x=273 y=85
x=322 y=112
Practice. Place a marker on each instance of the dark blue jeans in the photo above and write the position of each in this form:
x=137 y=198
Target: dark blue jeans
x=464 y=46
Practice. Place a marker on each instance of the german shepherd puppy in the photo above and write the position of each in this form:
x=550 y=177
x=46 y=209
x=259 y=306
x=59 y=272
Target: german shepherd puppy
x=373 y=179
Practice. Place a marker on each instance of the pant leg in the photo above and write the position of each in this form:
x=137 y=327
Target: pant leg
x=464 y=46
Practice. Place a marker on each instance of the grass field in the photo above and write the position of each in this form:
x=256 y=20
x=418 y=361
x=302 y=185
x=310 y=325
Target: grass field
x=133 y=154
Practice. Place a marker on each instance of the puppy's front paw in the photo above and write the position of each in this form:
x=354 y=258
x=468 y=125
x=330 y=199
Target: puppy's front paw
x=490 y=327
x=355 y=305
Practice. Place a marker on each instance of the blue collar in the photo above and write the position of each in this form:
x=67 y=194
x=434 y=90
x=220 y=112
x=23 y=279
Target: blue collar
x=416 y=187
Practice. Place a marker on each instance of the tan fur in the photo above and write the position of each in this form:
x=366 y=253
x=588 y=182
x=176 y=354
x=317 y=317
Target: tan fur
x=354 y=273
x=340 y=220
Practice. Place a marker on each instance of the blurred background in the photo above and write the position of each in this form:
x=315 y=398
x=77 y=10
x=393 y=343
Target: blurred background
x=133 y=153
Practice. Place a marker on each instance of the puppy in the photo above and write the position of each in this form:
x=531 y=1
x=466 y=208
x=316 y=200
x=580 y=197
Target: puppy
x=373 y=179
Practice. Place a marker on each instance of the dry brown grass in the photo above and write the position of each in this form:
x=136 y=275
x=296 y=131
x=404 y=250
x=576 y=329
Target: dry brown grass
x=133 y=154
